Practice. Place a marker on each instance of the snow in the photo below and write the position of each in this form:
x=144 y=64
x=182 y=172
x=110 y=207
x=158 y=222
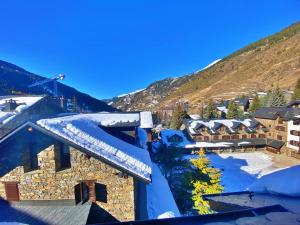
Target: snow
x=110 y=119
x=23 y=104
x=195 y=117
x=209 y=145
x=160 y=201
x=146 y=119
x=142 y=138
x=131 y=93
x=244 y=143
x=222 y=109
x=239 y=170
x=283 y=182
x=209 y=65
x=83 y=130
x=231 y=124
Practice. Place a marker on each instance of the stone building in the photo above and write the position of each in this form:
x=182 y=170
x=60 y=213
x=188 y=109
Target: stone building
x=224 y=129
x=275 y=120
x=71 y=160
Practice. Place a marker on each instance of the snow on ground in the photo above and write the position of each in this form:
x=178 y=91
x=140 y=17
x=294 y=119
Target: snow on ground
x=160 y=201
x=23 y=103
x=239 y=170
x=83 y=130
x=284 y=181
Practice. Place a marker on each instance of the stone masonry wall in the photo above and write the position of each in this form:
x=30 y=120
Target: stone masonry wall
x=49 y=184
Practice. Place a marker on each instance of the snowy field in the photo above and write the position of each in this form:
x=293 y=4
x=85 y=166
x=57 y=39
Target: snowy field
x=239 y=170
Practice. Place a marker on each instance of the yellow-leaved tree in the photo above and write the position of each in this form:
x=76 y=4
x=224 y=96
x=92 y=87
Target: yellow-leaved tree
x=206 y=180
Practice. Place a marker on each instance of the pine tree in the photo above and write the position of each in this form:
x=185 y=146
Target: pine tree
x=233 y=111
x=177 y=118
x=274 y=98
x=206 y=180
x=256 y=104
x=210 y=111
x=297 y=90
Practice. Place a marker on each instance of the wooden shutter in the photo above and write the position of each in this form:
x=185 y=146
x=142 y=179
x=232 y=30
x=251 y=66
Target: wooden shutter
x=12 y=191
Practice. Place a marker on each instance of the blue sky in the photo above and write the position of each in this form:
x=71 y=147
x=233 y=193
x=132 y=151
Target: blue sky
x=111 y=47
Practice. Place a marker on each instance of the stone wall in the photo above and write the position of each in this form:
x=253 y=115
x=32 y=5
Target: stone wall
x=48 y=184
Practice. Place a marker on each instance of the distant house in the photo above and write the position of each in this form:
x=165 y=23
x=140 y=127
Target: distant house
x=16 y=110
x=74 y=167
x=242 y=103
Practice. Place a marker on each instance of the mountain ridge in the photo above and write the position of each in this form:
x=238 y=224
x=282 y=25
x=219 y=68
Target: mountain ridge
x=15 y=80
x=270 y=61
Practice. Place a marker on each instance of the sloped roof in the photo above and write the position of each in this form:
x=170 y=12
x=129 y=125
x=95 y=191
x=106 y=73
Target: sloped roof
x=272 y=113
x=35 y=214
x=23 y=102
x=83 y=130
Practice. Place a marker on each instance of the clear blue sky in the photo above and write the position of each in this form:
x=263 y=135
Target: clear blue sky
x=111 y=47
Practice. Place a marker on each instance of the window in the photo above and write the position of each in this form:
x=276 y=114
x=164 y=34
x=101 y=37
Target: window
x=62 y=156
x=279 y=137
x=30 y=159
x=244 y=136
x=280 y=121
x=225 y=137
x=12 y=191
x=206 y=138
x=89 y=190
x=216 y=137
x=253 y=136
x=261 y=135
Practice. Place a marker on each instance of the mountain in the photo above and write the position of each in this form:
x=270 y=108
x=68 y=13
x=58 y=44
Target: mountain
x=271 y=61
x=148 y=98
x=15 y=80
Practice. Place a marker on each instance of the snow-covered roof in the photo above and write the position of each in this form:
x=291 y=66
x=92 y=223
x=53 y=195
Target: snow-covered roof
x=23 y=102
x=141 y=119
x=222 y=109
x=215 y=124
x=276 y=182
x=83 y=130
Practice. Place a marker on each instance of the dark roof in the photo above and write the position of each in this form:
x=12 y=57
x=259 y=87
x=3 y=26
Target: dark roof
x=272 y=113
x=245 y=199
x=296 y=102
x=274 y=143
x=210 y=219
x=242 y=101
x=34 y=214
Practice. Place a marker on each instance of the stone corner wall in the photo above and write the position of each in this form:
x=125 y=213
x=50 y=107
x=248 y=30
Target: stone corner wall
x=47 y=183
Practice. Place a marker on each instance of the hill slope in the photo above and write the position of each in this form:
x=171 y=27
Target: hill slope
x=14 y=80
x=272 y=61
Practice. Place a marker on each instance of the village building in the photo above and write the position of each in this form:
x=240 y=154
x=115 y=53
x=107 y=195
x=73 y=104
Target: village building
x=242 y=103
x=224 y=129
x=73 y=167
x=275 y=120
x=293 y=137
x=16 y=110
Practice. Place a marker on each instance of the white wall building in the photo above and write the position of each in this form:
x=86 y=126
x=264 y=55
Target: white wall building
x=293 y=136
